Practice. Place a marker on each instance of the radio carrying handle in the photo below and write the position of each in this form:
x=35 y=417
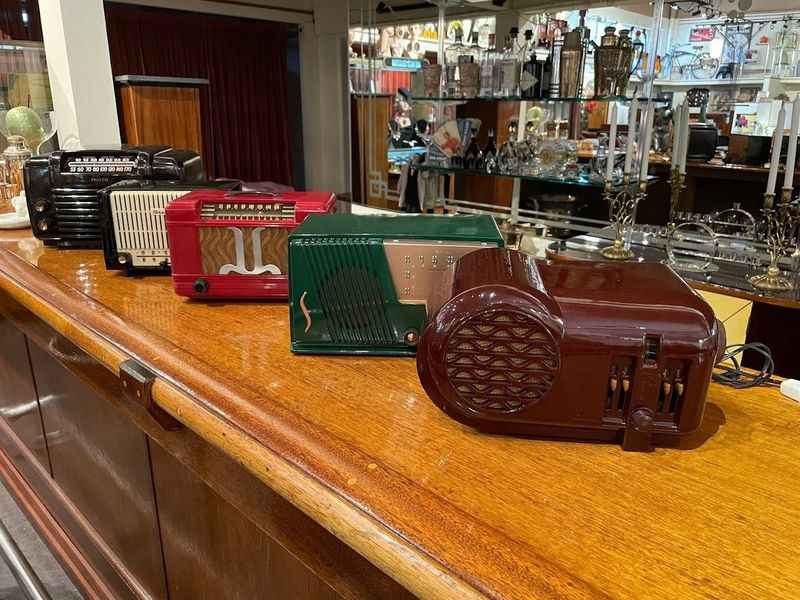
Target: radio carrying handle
x=242 y=192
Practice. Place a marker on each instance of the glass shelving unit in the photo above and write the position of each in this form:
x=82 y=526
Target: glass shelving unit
x=579 y=181
x=462 y=99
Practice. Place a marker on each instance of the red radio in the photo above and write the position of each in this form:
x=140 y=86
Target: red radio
x=235 y=244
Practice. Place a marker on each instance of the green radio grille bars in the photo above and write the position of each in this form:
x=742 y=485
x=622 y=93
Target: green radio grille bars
x=359 y=284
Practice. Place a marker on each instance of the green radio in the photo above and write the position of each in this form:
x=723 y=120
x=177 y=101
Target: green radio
x=364 y=284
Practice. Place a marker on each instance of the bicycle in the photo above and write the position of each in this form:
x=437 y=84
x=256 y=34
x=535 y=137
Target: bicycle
x=698 y=64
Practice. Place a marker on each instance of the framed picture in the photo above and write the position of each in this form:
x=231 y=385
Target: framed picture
x=756 y=56
x=701 y=33
x=737 y=42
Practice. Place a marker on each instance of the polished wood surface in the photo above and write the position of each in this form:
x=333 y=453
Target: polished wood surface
x=155 y=114
x=355 y=443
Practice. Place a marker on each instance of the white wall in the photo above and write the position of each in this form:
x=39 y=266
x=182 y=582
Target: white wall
x=83 y=91
x=325 y=97
x=79 y=69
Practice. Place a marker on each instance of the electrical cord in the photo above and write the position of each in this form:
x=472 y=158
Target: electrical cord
x=733 y=375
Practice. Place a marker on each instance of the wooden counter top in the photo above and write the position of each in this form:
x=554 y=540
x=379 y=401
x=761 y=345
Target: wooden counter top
x=356 y=444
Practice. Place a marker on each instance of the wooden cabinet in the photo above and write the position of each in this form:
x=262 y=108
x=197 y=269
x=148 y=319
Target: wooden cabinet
x=212 y=551
x=494 y=116
x=154 y=513
x=18 y=402
x=161 y=110
x=100 y=460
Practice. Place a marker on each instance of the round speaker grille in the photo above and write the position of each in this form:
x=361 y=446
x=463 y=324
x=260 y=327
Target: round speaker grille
x=501 y=361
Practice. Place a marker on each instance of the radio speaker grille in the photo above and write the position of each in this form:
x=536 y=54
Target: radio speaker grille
x=501 y=361
x=78 y=214
x=349 y=289
x=139 y=226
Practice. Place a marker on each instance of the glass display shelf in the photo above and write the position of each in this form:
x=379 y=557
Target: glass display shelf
x=580 y=181
x=456 y=99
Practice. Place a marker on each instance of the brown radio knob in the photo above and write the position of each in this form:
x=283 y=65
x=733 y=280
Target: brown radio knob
x=200 y=286
x=40 y=205
x=43 y=224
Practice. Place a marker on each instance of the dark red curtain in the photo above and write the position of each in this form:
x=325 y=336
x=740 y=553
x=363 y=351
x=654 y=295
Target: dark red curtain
x=19 y=20
x=244 y=107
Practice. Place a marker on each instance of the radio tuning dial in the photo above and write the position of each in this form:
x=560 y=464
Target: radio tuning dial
x=40 y=206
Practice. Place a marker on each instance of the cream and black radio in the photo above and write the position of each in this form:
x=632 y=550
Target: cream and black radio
x=134 y=232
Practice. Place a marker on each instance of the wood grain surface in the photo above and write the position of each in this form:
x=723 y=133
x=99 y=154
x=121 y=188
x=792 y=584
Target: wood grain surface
x=355 y=443
x=218 y=247
x=154 y=114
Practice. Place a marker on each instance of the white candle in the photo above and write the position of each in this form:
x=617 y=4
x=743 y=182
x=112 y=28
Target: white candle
x=791 y=155
x=646 y=137
x=612 y=140
x=632 y=113
x=677 y=122
x=777 y=142
x=684 y=150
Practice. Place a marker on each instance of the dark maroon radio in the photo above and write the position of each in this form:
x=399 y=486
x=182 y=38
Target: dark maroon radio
x=585 y=350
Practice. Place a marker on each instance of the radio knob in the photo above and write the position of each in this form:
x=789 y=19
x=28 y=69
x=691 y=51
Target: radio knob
x=40 y=206
x=200 y=286
x=43 y=224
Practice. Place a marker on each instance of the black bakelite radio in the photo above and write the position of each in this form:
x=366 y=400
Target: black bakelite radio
x=132 y=224
x=62 y=187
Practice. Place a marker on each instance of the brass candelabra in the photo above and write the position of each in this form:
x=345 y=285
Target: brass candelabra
x=780 y=227
x=622 y=208
x=676 y=186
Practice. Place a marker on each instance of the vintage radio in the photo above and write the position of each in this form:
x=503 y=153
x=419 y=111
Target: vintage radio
x=62 y=186
x=234 y=244
x=134 y=232
x=361 y=284
x=585 y=350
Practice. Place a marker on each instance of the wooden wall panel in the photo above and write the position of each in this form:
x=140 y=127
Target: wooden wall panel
x=212 y=551
x=370 y=118
x=100 y=460
x=162 y=115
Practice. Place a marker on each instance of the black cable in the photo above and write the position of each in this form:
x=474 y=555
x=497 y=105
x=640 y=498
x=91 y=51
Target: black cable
x=734 y=376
